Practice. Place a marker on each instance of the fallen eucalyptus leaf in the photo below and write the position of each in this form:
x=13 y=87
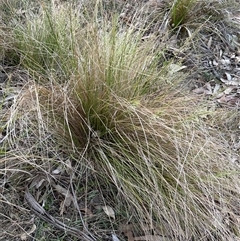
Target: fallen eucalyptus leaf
x=229 y=90
x=69 y=168
x=216 y=88
x=225 y=61
x=115 y=238
x=150 y=238
x=68 y=197
x=109 y=211
x=199 y=91
x=215 y=63
x=173 y=68
x=37 y=181
x=25 y=235
x=58 y=170
x=127 y=230
x=229 y=77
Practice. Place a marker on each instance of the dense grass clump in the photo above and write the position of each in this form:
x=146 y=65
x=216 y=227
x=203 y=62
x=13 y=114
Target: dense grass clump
x=99 y=106
x=181 y=11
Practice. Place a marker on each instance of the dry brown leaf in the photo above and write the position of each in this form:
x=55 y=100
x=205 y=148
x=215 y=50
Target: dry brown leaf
x=69 y=168
x=225 y=61
x=109 y=211
x=229 y=100
x=114 y=237
x=208 y=90
x=68 y=197
x=229 y=77
x=209 y=44
x=37 y=181
x=229 y=90
x=25 y=235
x=62 y=190
x=156 y=2
x=199 y=91
x=65 y=203
x=223 y=99
x=150 y=238
x=216 y=88
x=127 y=230
x=215 y=63
x=58 y=170
x=87 y=211
x=174 y=68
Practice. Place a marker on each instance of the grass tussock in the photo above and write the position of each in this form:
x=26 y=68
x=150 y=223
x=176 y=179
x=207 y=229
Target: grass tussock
x=180 y=12
x=101 y=103
x=160 y=166
x=198 y=16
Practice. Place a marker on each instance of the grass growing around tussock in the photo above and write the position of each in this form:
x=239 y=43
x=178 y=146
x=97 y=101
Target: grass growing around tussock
x=100 y=107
